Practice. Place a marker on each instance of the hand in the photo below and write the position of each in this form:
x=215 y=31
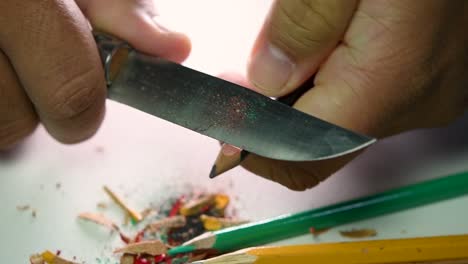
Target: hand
x=383 y=67
x=50 y=69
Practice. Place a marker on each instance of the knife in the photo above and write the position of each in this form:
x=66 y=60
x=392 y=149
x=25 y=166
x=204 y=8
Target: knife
x=219 y=109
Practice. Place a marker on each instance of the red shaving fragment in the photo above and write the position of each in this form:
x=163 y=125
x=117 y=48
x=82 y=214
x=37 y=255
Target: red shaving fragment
x=58 y=252
x=139 y=260
x=159 y=258
x=124 y=238
x=139 y=236
x=205 y=209
x=176 y=207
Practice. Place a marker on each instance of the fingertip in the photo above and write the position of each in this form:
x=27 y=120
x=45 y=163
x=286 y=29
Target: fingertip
x=180 y=48
x=75 y=131
x=139 y=26
x=79 y=127
x=153 y=38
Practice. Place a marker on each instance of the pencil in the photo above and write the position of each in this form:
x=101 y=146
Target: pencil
x=440 y=250
x=224 y=162
x=290 y=225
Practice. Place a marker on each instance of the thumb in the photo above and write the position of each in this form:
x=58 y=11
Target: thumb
x=295 y=39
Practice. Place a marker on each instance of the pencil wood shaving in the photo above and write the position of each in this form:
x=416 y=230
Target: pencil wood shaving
x=221 y=202
x=152 y=247
x=101 y=205
x=195 y=206
x=50 y=258
x=359 y=233
x=150 y=244
x=99 y=219
x=215 y=223
x=127 y=259
x=168 y=222
x=136 y=216
x=148 y=212
x=23 y=208
x=318 y=232
x=36 y=259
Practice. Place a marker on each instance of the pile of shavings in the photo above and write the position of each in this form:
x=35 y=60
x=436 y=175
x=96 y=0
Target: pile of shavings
x=177 y=221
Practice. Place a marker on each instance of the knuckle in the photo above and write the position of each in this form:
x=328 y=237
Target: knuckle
x=75 y=95
x=12 y=132
x=302 y=26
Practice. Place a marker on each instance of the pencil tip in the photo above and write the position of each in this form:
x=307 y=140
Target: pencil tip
x=213 y=172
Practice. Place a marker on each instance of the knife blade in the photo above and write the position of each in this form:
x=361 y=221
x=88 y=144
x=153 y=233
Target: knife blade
x=219 y=109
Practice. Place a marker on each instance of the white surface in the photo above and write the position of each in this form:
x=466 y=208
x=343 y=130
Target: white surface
x=149 y=159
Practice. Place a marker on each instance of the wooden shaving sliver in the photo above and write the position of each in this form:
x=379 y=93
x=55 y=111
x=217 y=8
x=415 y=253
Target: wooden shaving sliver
x=168 y=222
x=36 y=259
x=194 y=206
x=215 y=223
x=148 y=212
x=150 y=247
x=99 y=219
x=51 y=258
x=359 y=233
x=221 y=201
x=23 y=207
x=319 y=232
x=127 y=259
x=101 y=205
x=136 y=216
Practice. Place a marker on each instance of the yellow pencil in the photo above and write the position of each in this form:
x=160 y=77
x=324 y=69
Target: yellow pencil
x=435 y=250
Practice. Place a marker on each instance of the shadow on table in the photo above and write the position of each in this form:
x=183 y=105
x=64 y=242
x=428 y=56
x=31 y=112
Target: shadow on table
x=412 y=156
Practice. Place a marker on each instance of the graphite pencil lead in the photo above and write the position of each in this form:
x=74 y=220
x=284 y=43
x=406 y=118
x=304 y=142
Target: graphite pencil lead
x=213 y=172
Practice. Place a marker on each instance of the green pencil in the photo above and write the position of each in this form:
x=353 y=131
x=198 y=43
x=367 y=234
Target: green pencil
x=290 y=225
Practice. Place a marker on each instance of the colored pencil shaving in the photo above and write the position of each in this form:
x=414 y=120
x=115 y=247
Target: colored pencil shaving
x=136 y=216
x=49 y=258
x=127 y=259
x=23 y=207
x=212 y=223
x=440 y=250
x=359 y=233
x=221 y=201
x=36 y=259
x=316 y=232
x=166 y=228
x=153 y=248
x=168 y=222
x=195 y=206
x=99 y=219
